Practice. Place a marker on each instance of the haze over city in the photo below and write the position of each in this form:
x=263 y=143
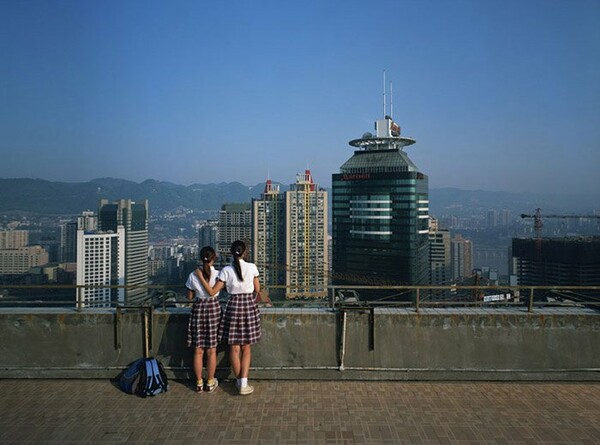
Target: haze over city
x=498 y=95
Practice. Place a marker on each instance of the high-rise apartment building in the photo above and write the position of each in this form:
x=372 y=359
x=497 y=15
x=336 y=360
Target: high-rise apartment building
x=461 y=252
x=100 y=264
x=306 y=252
x=268 y=235
x=439 y=254
x=380 y=212
x=235 y=223
x=13 y=239
x=134 y=218
x=290 y=238
x=68 y=235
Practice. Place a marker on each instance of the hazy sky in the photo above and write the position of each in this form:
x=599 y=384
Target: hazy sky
x=500 y=95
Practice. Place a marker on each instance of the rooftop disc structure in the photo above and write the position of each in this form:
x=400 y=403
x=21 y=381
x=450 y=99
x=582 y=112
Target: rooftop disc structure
x=380 y=212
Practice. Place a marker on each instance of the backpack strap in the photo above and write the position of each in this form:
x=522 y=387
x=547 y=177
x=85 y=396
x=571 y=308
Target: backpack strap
x=158 y=375
x=149 y=389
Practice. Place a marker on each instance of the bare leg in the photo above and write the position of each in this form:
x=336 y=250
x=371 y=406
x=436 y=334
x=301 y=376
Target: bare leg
x=198 y=355
x=234 y=359
x=211 y=362
x=246 y=357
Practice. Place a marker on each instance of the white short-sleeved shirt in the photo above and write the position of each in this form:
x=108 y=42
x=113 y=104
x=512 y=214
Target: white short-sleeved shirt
x=193 y=283
x=234 y=285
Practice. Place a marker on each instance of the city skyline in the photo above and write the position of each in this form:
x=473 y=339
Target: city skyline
x=498 y=96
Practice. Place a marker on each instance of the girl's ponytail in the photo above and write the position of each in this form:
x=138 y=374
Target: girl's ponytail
x=238 y=248
x=207 y=254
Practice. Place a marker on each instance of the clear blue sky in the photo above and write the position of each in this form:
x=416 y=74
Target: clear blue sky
x=500 y=95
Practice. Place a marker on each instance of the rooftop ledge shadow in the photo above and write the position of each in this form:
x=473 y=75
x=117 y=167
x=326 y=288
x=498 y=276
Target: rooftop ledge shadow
x=557 y=344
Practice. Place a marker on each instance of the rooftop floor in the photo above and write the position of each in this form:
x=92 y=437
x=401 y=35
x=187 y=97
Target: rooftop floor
x=299 y=412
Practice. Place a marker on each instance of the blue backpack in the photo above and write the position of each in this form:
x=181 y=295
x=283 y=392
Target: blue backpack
x=153 y=379
x=130 y=378
x=144 y=377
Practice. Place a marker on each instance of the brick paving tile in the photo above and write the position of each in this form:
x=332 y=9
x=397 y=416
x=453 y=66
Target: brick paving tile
x=302 y=412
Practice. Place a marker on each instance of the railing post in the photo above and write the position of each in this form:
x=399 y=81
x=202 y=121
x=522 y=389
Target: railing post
x=417 y=300
x=342 y=339
x=79 y=299
x=332 y=297
x=372 y=328
x=530 y=304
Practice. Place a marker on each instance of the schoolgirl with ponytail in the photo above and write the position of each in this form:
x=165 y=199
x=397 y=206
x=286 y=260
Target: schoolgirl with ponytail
x=240 y=325
x=203 y=324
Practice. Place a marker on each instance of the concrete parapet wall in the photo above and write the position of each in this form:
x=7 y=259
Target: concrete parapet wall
x=317 y=344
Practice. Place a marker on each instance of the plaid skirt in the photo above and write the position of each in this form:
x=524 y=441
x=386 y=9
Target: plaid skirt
x=203 y=324
x=241 y=321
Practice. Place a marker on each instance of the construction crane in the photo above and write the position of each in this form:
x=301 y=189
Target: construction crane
x=538 y=223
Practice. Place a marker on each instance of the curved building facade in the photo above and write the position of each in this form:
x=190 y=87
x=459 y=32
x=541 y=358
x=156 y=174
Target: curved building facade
x=380 y=213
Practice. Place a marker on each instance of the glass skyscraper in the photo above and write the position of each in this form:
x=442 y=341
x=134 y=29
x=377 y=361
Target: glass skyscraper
x=134 y=218
x=380 y=213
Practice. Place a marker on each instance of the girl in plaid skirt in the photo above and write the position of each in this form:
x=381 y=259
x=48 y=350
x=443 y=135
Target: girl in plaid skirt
x=240 y=326
x=204 y=320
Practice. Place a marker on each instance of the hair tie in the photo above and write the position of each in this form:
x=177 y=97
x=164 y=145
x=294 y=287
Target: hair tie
x=205 y=259
x=238 y=252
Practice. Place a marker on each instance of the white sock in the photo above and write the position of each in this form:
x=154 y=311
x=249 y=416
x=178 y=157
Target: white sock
x=243 y=382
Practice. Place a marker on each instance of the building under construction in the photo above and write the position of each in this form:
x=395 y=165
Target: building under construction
x=557 y=261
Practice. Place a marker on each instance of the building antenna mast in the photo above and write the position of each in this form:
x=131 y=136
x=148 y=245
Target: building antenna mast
x=391 y=100
x=384 y=94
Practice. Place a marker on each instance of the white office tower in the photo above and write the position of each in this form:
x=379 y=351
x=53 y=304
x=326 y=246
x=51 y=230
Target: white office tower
x=134 y=217
x=100 y=264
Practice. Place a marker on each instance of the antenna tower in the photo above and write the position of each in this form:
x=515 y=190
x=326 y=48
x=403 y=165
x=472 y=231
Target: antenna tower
x=384 y=94
x=391 y=100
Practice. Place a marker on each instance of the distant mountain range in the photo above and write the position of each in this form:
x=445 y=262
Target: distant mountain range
x=47 y=197
x=470 y=202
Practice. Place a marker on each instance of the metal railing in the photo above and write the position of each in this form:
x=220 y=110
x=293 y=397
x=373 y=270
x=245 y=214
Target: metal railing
x=475 y=296
x=339 y=296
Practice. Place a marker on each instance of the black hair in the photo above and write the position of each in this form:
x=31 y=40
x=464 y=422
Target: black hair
x=238 y=248
x=207 y=254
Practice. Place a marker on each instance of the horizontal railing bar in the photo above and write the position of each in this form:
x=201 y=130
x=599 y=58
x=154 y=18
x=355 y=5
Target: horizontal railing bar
x=425 y=296
x=331 y=286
